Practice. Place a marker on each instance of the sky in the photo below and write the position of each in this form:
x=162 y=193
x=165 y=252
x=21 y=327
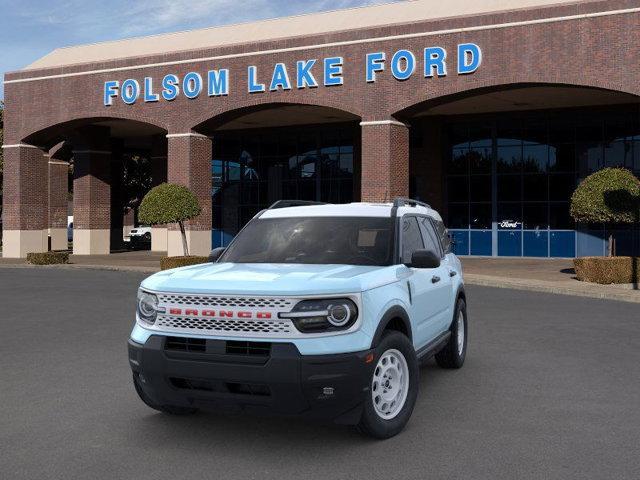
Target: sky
x=29 y=29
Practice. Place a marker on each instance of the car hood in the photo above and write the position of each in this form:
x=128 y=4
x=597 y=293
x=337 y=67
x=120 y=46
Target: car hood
x=271 y=279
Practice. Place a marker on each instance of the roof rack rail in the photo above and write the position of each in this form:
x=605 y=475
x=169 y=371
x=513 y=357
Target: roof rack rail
x=293 y=203
x=403 y=201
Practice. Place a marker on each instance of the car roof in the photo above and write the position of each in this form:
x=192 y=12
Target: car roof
x=356 y=209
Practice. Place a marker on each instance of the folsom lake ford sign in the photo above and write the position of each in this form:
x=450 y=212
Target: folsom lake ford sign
x=309 y=73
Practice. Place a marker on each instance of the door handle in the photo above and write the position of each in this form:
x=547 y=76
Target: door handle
x=435 y=279
x=453 y=273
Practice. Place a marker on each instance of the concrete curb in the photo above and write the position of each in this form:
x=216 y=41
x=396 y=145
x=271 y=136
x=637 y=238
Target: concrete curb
x=604 y=292
x=74 y=266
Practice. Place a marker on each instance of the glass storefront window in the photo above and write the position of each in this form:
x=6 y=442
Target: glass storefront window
x=480 y=216
x=534 y=161
x=509 y=187
x=481 y=188
x=510 y=158
x=535 y=216
x=254 y=168
x=535 y=158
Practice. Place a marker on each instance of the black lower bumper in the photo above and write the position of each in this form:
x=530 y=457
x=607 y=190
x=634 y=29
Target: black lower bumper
x=270 y=378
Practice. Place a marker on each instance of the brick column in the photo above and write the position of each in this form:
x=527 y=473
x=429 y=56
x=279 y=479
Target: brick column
x=92 y=192
x=385 y=160
x=158 y=159
x=58 y=191
x=25 y=212
x=189 y=164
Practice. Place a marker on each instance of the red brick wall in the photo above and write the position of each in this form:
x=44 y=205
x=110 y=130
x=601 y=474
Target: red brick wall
x=58 y=192
x=189 y=164
x=25 y=189
x=600 y=51
x=385 y=162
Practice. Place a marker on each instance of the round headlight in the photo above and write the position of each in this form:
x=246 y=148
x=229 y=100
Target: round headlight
x=323 y=315
x=339 y=315
x=147 y=306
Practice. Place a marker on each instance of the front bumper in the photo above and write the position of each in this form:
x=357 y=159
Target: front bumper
x=270 y=378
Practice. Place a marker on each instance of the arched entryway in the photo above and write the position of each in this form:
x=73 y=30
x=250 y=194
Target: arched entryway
x=501 y=164
x=110 y=162
x=266 y=153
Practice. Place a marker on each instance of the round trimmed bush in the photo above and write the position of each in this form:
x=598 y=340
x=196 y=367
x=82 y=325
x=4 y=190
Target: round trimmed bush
x=170 y=203
x=611 y=195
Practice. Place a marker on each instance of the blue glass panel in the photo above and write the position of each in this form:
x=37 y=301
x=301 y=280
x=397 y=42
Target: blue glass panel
x=591 y=243
x=535 y=243
x=510 y=243
x=563 y=244
x=481 y=242
x=460 y=241
x=219 y=238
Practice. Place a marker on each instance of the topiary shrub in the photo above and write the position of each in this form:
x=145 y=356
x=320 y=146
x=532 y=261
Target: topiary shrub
x=611 y=195
x=607 y=270
x=167 y=263
x=48 y=258
x=169 y=203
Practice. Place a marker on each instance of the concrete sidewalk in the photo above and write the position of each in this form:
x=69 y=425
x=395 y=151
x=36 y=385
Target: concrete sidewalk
x=138 y=261
x=539 y=275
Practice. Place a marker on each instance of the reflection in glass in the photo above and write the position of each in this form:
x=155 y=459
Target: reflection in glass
x=535 y=158
x=510 y=159
x=253 y=169
x=480 y=160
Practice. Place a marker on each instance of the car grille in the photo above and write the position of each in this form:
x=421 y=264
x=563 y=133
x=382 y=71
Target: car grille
x=226 y=316
x=224 y=326
x=257 y=390
x=229 y=347
x=211 y=301
x=186 y=344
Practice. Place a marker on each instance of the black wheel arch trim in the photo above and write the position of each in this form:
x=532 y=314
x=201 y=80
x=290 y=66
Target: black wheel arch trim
x=395 y=312
x=460 y=294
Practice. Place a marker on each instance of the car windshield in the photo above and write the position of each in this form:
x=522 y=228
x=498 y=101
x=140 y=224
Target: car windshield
x=314 y=240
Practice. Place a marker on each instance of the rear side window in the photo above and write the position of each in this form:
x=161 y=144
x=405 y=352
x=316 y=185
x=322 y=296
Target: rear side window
x=431 y=240
x=443 y=235
x=411 y=238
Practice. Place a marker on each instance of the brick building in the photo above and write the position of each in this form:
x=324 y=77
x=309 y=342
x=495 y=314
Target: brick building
x=490 y=110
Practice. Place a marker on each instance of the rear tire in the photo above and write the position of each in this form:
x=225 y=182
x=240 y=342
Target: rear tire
x=394 y=387
x=455 y=351
x=168 y=409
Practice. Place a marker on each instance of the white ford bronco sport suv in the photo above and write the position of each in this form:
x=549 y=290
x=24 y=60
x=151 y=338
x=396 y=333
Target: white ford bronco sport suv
x=313 y=309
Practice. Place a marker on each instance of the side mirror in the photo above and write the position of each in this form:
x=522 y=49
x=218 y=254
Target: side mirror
x=424 y=259
x=215 y=254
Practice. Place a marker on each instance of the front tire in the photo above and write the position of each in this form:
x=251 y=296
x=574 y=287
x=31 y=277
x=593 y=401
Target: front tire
x=394 y=387
x=455 y=351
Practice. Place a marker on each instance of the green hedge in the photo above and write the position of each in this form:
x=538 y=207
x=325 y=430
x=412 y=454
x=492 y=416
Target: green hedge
x=48 y=258
x=167 y=263
x=607 y=270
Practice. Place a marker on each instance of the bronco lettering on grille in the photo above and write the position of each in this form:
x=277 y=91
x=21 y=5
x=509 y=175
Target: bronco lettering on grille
x=192 y=312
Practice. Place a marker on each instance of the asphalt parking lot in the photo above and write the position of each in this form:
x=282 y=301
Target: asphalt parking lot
x=550 y=390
